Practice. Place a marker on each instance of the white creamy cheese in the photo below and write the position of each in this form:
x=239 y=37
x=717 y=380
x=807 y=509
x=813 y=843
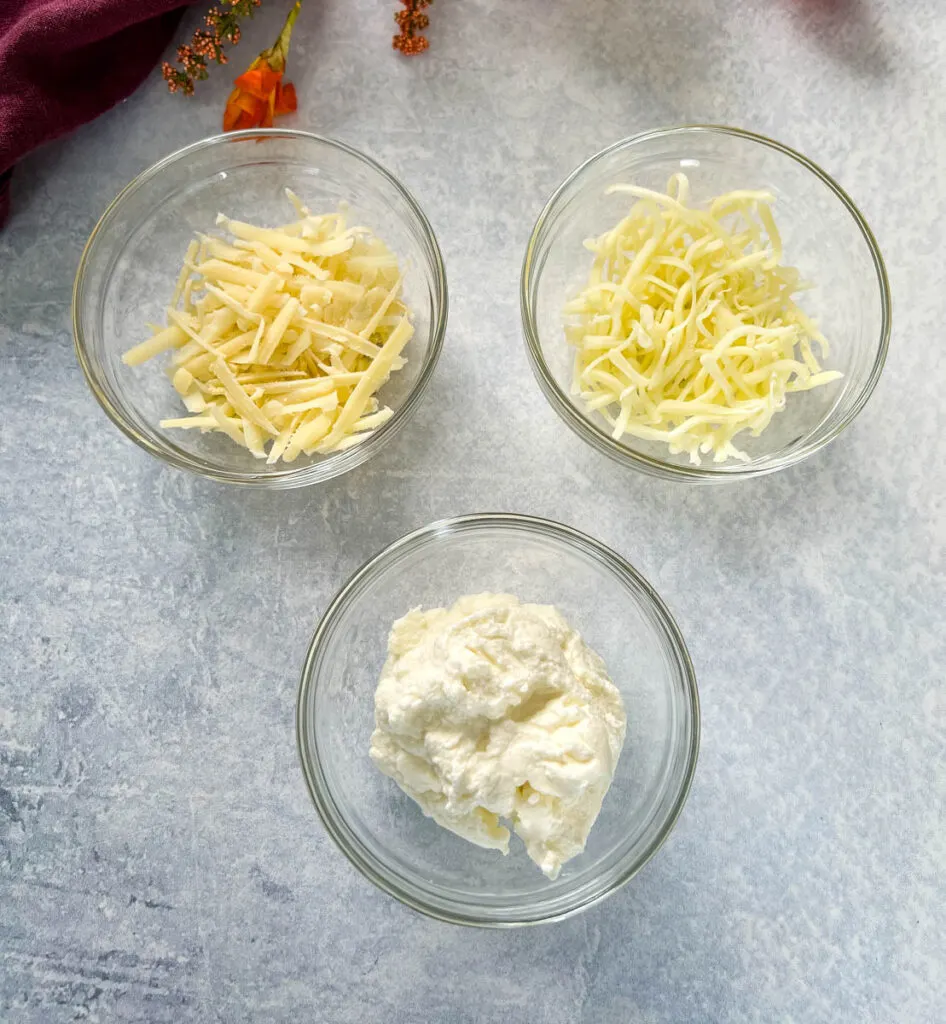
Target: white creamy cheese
x=493 y=709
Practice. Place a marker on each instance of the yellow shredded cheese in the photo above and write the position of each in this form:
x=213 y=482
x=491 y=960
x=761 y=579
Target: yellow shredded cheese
x=687 y=331
x=283 y=336
x=168 y=337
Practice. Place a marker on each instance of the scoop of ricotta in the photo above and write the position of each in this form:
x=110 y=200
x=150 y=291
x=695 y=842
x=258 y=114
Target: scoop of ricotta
x=494 y=711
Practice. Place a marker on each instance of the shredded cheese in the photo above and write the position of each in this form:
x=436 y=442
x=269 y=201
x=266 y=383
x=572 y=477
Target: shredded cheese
x=687 y=332
x=283 y=336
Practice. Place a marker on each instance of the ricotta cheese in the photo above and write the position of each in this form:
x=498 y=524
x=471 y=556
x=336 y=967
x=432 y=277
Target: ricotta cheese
x=494 y=714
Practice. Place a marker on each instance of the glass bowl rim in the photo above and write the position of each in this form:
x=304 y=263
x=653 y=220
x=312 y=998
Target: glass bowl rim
x=334 y=820
x=592 y=432
x=335 y=464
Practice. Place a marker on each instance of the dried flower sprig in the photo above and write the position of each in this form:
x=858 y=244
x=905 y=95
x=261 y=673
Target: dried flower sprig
x=412 y=21
x=223 y=26
x=260 y=95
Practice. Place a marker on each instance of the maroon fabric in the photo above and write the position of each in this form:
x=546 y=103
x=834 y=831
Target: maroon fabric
x=64 y=62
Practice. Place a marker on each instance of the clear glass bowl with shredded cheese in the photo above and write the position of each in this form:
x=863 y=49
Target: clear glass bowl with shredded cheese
x=134 y=258
x=615 y=610
x=599 y=368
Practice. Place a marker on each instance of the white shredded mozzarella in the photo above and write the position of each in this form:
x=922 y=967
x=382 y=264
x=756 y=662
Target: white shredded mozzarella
x=687 y=331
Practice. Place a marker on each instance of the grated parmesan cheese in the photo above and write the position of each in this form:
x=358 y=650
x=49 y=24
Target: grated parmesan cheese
x=283 y=336
x=687 y=332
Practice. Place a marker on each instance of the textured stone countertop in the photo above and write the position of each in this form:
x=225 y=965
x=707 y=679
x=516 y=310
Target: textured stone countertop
x=160 y=860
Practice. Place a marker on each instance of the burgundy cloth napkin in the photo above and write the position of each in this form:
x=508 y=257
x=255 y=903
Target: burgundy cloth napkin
x=64 y=62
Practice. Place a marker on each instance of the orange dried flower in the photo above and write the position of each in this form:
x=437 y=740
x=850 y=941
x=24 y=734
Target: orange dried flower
x=260 y=95
x=411 y=21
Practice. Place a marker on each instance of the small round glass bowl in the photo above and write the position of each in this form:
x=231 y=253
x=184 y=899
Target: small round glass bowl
x=824 y=236
x=383 y=832
x=134 y=255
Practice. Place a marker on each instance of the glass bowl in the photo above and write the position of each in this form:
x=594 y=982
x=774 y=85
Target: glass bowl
x=383 y=832
x=824 y=235
x=134 y=254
